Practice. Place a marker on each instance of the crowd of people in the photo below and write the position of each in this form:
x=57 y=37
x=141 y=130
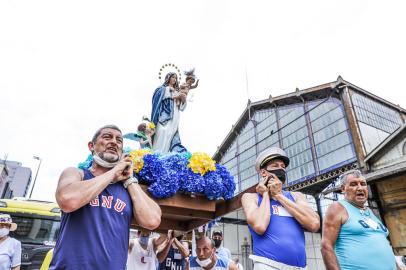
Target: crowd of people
x=98 y=205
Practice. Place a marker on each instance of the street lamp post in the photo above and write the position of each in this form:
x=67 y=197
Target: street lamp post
x=246 y=250
x=36 y=174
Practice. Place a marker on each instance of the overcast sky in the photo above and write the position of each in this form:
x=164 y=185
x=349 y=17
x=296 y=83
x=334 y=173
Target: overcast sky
x=69 y=67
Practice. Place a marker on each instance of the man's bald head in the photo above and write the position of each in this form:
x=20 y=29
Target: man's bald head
x=205 y=241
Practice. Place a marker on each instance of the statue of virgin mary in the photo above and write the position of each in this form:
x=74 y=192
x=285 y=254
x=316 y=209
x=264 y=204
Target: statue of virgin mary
x=165 y=115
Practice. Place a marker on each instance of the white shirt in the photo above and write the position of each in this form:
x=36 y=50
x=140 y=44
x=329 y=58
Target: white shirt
x=10 y=253
x=223 y=252
x=141 y=259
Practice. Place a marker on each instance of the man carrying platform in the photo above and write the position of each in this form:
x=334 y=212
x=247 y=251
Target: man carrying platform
x=175 y=252
x=98 y=205
x=277 y=218
x=353 y=237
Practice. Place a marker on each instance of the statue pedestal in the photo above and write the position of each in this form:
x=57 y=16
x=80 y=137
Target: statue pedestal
x=183 y=212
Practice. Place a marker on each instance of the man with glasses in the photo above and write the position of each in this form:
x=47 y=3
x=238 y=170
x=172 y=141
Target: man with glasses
x=277 y=218
x=353 y=237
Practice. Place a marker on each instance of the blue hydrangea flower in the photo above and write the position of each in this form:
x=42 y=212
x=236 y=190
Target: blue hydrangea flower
x=191 y=182
x=152 y=169
x=214 y=187
x=227 y=180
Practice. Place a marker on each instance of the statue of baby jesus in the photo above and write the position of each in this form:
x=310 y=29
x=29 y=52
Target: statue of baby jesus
x=186 y=87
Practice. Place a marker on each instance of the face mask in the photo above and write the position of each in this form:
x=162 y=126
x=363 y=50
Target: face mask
x=203 y=263
x=101 y=162
x=280 y=173
x=180 y=237
x=217 y=243
x=4 y=232
x=144 y=240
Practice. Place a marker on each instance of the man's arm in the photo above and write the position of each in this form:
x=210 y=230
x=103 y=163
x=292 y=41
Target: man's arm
x=300 y=210
x=195 y=85
x=159 y=240
x=187 y=263
x=258 y=217
x=331 y=228
x=72 y=193
x=163 y=252
x=161 y=246
x=146 y=211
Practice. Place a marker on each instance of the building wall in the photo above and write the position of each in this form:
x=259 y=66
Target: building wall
x=313 y=253
x=21 y=181
x=393 y=156
x=3 y=177
x=17 y=181
x=376 y=121
x=315 y=136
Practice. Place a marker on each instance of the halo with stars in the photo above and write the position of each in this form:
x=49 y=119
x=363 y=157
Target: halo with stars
x=166 y=68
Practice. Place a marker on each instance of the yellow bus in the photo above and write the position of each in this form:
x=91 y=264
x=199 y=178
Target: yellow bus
x=38 y=227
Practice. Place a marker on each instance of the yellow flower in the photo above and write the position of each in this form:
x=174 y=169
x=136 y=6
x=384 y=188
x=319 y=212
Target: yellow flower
x=151 y=125
x=201 y=163
x=137 y=158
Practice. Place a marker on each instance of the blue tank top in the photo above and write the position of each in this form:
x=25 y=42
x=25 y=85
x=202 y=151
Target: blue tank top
x=173 y=261
x=283 y=240
x=96 y=235
x=362 y=242
x=221 y=264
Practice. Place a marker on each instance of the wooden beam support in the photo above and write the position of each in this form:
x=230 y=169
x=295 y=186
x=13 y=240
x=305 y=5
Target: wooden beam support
x=197 y=202
x=186 y=213
x=225 y=207
x=182 y=212
x=196 y=223
x=166 y=224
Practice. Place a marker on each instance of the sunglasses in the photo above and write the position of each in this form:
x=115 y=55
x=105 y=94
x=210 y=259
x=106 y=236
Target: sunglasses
x=5 y=220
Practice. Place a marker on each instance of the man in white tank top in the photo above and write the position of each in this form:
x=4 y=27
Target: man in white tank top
x=142 y=251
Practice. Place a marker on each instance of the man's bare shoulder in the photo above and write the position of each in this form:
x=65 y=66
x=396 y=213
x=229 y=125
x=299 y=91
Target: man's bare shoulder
x=249 y=197
x=335 y=206
x=336 y=209
x=298 y=195
x=71 y=172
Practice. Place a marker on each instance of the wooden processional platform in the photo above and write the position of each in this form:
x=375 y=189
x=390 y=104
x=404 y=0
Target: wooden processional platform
x=183 y=212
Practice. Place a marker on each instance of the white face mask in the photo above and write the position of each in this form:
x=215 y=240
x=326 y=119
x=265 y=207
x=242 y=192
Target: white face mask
x=4 y=232
x=103 y=163
x=203 y=263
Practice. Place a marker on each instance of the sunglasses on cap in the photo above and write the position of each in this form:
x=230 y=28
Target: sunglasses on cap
x=5 y=220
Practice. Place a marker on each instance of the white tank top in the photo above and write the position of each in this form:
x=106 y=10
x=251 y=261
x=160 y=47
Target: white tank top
x=141 y=259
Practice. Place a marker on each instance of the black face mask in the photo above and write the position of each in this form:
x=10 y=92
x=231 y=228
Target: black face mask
x=180 y=237
x=280 y=173
x=217 y=243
